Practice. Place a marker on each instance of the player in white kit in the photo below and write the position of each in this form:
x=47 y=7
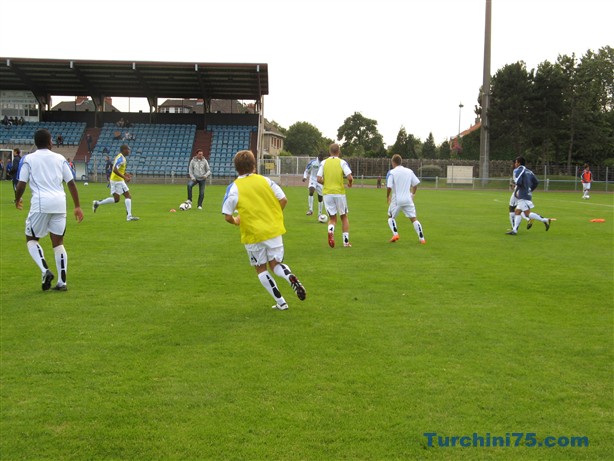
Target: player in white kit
x=402 y=184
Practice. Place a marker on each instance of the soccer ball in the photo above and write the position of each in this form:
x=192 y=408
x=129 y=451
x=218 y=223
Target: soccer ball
x=185 y=205
x=323 y=218
x=86 y=184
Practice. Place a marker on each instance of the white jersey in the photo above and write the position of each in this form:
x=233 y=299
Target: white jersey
x=45 y=170
x=400 y=180
x=311 y=171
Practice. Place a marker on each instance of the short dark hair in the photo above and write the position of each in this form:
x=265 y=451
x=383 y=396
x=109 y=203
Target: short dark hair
x=520 y=159
x=42 y=138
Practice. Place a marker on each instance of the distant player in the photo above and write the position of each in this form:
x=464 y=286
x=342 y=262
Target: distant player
x=587 y=179
x=525 y=182
x=311 y=173
x=330 y=175
x=260 y=203
x=117 y=183
x=512 y=207
x=402 y=184
x=45 y=171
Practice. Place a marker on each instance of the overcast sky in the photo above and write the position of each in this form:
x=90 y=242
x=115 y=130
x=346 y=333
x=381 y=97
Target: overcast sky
x=400 y=62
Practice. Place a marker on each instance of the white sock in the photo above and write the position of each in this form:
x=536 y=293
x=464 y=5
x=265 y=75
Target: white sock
x=517 y=219
x=393 y=226
x=283 y=271
x=37 y=254
x=61 y=263
x=269 y=284
x=512 y=214
x=331 y=228
x=538 y=217
x=106 y=201
x=129 y=206
x=310 y=202
x=418 y=228
x=319 y=208
x=346 y=237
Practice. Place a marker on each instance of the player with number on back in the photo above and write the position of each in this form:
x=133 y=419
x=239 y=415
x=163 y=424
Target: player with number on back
x=526 y=182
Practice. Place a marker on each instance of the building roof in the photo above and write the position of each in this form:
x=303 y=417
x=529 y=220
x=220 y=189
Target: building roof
x=152 y=80
x=83 y=104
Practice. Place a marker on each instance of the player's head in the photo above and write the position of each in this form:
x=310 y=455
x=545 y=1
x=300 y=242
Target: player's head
x=334 y=149
x=17 y=151
x=520 y=160
x=200 y=153
x=586 y=166
x=125 y=149
x=42 y=139
x=245 y=162
x=321 y=156
x=396 y=160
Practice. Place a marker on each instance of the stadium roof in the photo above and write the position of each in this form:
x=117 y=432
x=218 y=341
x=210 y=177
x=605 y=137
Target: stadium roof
x=139 y=79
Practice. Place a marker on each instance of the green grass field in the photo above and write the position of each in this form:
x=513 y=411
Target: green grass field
x=166 y=347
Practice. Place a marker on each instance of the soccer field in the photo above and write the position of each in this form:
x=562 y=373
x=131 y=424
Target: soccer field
x=166 y=347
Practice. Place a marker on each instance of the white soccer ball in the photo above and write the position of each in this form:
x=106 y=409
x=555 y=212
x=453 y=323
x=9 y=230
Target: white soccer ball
x=323 y=218
x=185 y=205
x=86 y=183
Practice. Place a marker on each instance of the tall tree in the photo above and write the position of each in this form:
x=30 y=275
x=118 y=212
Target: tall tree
x=406 y=145
x=429 y=149
x=546 y=109
x=304 y=140
x=508 y=112
x=361 y=137
x=443 y=151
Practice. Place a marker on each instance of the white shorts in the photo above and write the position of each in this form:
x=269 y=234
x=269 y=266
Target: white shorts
x=524 y=205
x=586 y=186
x=118 y=187
x=38 y=225
x=313 y=182
x=262 y=252
x=408 y=210
x=335 y=204
x=513 y=200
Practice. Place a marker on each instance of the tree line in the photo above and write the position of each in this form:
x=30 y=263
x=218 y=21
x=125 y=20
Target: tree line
x=560 y=113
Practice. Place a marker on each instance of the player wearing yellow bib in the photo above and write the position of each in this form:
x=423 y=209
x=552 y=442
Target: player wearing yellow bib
x=330 y=174
x=117 y=183
x=260 y=202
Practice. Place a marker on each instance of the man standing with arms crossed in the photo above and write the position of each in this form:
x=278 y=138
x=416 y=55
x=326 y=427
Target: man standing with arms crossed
x=45 y=171
x=330 y=175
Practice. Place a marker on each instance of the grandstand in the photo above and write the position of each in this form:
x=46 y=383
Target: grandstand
x=166 y=149
x=72 y=132
x=162 y=142
x=226 y=141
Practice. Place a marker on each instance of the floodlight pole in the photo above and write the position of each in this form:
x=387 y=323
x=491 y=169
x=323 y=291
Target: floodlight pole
x=484 y=128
